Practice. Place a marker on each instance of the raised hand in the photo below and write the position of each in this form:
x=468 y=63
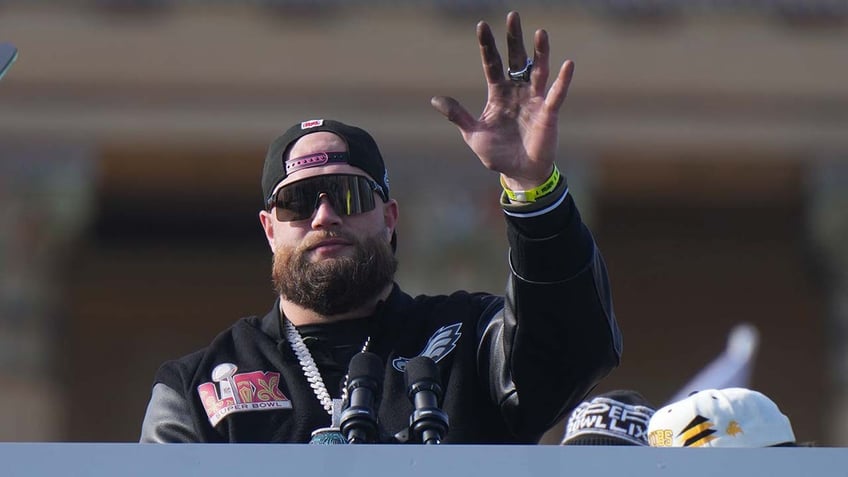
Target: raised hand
x=516 y=134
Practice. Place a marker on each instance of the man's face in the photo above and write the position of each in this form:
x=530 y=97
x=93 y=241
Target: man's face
x=330 y=262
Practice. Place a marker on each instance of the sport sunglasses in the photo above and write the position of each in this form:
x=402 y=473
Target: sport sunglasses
x=349 y=194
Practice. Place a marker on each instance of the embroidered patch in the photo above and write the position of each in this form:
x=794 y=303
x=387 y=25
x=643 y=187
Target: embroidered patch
x=230 y=392
x=699 y=432
x=311 y=124
x=610 y=418
x=440 y=345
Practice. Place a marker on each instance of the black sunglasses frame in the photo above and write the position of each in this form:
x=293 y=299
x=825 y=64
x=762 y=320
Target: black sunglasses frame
x=335 y=201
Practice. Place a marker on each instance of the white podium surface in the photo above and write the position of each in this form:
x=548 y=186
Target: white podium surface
x=237 y=460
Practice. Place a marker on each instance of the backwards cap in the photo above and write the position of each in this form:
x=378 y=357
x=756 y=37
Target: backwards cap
x=732 y=417
x=362 y=153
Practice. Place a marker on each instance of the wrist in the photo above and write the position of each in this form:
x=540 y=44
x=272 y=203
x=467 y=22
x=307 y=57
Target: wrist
x=531 y=195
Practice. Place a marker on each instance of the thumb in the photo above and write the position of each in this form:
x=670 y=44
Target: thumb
x=454 y=112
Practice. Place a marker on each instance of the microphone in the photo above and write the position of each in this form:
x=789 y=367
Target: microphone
x=365 y=381
x=428 y=422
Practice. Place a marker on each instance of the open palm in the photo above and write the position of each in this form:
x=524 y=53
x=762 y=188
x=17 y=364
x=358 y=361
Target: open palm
x=516 y=134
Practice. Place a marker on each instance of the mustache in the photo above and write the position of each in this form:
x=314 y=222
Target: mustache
x=313 y=240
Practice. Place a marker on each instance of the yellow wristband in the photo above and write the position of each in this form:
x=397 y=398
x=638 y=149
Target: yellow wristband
x=534 y=193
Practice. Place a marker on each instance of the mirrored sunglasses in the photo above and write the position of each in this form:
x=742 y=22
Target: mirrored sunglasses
x=348 y=194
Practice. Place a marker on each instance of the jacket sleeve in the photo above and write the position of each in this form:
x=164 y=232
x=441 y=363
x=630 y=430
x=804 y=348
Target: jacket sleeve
x=168 y=418
x=555 y=336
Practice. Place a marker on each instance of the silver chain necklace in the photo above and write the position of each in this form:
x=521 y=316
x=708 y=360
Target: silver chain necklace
x=313 y=375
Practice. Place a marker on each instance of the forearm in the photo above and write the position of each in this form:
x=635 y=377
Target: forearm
x=560 y=335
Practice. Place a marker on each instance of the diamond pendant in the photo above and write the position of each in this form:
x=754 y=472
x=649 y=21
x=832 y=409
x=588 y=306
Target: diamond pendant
x=327 y=436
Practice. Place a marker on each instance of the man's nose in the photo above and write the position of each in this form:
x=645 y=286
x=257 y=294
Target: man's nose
x=325 y=214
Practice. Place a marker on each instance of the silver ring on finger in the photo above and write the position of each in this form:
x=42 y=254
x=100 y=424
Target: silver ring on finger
x=522 y=75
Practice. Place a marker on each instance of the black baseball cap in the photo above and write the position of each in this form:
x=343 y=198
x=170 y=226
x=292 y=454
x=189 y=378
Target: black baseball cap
x=362 y=153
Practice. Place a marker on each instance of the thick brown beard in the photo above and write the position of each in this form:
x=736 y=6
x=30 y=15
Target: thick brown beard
x=334 y=285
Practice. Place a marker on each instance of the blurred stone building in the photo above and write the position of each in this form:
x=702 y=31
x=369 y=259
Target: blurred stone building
x=706 y=143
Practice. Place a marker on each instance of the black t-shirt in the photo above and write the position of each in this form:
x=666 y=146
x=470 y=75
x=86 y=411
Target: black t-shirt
x=332 y=346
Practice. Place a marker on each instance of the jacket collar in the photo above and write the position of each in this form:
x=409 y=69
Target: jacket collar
x=272 y=324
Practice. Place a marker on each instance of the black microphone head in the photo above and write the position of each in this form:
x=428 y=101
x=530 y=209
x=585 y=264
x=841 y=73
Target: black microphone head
x=421 y=369
x=428 y=423
x=366 y=365
x=359 y=423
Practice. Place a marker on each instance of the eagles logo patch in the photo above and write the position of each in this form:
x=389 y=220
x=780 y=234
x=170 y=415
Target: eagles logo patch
x=440 y=345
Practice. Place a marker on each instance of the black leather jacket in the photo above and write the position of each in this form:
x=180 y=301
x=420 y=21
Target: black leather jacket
x=510 y=366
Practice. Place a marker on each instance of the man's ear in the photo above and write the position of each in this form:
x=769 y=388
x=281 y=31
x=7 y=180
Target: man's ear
x=390 y=216
x=267 y=221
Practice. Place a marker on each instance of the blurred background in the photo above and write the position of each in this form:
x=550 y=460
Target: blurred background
x=706 y=143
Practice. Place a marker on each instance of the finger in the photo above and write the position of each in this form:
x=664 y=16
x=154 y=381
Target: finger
x=541 y=67
x=515 y=42
x=559 y=89
x=492 y=64
x=454 y=112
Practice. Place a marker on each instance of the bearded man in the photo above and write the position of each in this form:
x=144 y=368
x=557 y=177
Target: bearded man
x=509 y=367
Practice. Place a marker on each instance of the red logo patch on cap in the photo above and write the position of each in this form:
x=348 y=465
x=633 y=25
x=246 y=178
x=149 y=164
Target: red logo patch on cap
x=311 y=123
